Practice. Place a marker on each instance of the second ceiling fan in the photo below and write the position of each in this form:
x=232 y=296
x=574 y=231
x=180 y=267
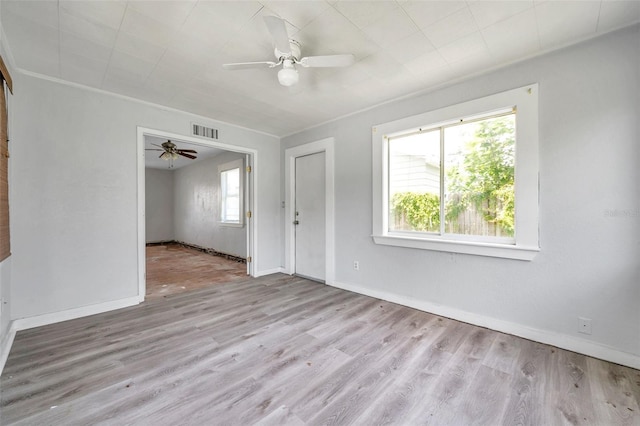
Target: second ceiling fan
x=171 y=151
x=288 y=54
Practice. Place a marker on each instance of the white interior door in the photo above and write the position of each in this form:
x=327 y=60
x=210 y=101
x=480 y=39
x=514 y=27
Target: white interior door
x=309 y=217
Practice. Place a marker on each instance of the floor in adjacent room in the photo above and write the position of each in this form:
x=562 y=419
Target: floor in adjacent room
x=282 y=350
x=174 y=268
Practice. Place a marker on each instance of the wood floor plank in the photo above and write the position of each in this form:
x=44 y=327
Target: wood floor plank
x=281 y=416
x=285 y=350
x=612 y=394
x=327 y=389
x=528 y=384
x=503 y=354
x=388 y=369
x=449 y=390
x=399 y=404
x=243 y=385
x=486 y=399
x=634 y=380
x=569 y=382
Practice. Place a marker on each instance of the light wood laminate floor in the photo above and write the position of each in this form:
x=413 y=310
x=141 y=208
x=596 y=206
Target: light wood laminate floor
x=284 y=350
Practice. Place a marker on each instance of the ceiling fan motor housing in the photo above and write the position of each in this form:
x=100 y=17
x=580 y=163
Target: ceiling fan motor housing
x=169 y=146
x=293 y=55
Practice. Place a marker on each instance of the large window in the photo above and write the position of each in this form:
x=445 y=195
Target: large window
x=231 y=192
x=455 y=179
x=461 y=179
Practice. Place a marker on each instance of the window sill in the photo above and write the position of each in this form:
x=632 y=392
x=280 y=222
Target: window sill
x=231 y=225
x=464 y=247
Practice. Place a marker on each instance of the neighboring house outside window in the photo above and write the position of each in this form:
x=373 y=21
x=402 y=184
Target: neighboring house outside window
x=461 y=179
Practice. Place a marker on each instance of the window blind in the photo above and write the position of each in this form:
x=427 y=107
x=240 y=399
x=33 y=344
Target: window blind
x=5 y=241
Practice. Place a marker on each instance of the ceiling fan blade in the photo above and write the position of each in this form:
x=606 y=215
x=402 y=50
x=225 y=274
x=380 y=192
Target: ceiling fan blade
x=188 y=150
x=327 y=61
x=278 y=31
x=153 y=149
x=247 y=65
x=159 y=146
x=193 y=157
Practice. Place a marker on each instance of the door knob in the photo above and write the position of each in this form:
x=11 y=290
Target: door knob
x=296 y=222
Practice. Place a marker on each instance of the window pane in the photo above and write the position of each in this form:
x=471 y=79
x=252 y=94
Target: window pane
x=479 y=163
x=230 y=185
x=414 y=182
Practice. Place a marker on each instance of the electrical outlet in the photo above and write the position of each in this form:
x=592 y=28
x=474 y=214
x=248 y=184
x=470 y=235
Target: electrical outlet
x=356 y=265
x=584 y=325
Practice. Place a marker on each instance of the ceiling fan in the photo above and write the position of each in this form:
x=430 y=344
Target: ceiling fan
x=287 y=53
x=171 y=151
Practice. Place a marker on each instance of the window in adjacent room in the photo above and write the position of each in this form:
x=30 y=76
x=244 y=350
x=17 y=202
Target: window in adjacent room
x=461 y=179
x=231 y=193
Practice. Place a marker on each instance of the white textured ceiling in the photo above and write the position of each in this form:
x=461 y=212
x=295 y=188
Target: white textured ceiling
x=171 y=52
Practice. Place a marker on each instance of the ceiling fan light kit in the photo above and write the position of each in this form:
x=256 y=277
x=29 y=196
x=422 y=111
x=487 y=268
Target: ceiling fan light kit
x=288 y=75
x=288 y=54
x=169 y=156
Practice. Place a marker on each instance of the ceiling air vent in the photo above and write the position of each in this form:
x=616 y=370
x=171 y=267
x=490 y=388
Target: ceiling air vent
x=205 y=132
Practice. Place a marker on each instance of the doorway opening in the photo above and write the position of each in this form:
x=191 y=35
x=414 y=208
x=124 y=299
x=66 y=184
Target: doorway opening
x=309 y=212
x=192 y=232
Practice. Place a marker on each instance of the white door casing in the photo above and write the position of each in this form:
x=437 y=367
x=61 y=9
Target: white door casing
x=326 y=146
x=248 y=207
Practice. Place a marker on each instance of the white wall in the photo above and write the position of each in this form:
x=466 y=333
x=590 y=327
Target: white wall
x=589 y=166
x=196 y=207
x=6 y=335
x=74 y=176
x=158 y=212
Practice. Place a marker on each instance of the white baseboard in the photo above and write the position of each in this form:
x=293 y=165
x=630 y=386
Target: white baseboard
x=269 y=272
x=46 y=319
x=559 y=340
x=5 y=346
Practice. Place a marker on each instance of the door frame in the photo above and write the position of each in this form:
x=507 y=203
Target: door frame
x=251 y=203
x=290 y=155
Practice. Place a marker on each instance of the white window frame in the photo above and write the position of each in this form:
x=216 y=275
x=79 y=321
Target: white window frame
x=235 y=164
x=526 y=245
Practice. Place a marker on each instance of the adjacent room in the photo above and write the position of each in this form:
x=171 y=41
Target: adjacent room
x=195 y=231
x=320 y=212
